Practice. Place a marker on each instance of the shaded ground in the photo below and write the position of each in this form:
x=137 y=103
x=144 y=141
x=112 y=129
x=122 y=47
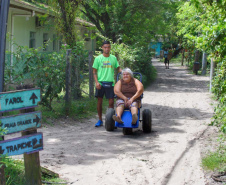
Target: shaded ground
x=170 y=154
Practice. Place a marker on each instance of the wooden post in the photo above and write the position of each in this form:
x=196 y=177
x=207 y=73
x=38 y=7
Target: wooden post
x=4 y=8
x=91 y=80
x=2 y=168
x=68 y=82
x=212 y=68
x=2 y=174
x=182 y=61
x=31 y=161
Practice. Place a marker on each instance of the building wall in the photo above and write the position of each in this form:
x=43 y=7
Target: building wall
x=20 y=27
x=157 y=47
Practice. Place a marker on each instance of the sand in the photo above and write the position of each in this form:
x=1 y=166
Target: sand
x=170 y=155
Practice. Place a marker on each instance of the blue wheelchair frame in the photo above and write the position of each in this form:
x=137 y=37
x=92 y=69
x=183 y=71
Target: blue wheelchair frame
x=126 y=115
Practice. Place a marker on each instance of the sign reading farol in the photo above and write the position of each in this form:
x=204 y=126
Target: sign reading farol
x=26 y=144
x=19 y=99
x=21 y=122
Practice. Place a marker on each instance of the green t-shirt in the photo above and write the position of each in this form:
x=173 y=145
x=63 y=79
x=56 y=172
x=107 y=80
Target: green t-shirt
x=105 y=68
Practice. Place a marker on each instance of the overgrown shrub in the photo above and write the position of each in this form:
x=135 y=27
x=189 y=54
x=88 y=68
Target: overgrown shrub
x=138 y=59
x=219 y=89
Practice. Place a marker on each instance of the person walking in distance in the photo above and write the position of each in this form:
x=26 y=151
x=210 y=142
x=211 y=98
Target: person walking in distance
x=166 y=58
x=103 y=72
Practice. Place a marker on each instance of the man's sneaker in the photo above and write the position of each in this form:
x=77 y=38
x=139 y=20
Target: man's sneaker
x=99 y=123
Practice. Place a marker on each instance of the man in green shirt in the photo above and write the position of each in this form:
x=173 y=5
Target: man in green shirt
x=103 y=72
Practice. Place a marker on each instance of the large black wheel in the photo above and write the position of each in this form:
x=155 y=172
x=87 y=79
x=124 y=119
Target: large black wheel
x=127 y=131
x=109 y=122
x=147 y=120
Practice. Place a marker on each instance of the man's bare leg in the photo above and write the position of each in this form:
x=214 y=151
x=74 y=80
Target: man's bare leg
x=111 y=103
x=99 y=107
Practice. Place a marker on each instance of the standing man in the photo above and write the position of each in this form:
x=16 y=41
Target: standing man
x=103 y=72
x=166 y=58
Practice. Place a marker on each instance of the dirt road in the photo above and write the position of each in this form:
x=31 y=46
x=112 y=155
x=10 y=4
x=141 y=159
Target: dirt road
x=169 y=155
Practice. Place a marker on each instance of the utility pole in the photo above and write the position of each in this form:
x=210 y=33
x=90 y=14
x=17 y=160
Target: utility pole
x=4 y=9
x=204 y=63
x=212 y=69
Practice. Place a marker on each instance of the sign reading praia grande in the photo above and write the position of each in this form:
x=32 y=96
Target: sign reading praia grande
x=21 y=122
x=26 y=144
x=19 y=99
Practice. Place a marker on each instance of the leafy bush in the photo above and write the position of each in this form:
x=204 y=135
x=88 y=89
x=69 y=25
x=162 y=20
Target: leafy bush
x=137 y=59
x=219 y=89
x=46 y=70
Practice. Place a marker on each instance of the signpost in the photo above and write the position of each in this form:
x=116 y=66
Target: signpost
x=31 y=142
x=22 y=99
x=21 y=122
x=26 y=144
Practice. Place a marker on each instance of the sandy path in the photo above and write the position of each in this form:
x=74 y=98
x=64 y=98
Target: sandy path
x=180 y=104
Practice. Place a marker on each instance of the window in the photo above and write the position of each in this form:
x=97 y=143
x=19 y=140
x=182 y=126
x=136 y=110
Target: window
x=32 y=40
x=86 y=34
x=45 y=41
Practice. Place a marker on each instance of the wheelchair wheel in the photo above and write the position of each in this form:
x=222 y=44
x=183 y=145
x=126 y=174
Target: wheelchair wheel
x=127 y=131
x=147 y=120
x=109 y=122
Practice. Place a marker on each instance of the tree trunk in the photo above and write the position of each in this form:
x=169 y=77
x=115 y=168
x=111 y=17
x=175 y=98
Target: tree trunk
x=68 y=82
x=197 y=53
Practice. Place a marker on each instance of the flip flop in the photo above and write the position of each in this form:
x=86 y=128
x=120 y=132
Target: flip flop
x=114 y=117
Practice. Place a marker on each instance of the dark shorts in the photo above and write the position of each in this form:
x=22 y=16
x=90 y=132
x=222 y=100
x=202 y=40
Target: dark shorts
x=166 y=61
x=108 y=92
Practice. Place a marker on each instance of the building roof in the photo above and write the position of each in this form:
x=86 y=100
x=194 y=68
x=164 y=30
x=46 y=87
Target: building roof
x=40 y=9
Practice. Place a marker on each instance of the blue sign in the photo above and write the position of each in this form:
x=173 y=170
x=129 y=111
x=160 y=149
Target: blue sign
x=21 y=122
x=26 y=144
x=23 y=99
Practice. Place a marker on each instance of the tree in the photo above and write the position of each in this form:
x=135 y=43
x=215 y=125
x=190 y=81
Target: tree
x=125 y=20
x=202 y=23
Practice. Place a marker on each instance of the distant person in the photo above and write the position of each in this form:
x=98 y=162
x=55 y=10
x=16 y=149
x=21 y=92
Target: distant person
x=103 y=72
x=166 y=53
x=128 y=91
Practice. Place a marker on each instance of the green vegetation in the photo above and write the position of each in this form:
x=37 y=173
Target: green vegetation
x=82 y=108
x=216 y=161
x=15 y=173
x=202 y=27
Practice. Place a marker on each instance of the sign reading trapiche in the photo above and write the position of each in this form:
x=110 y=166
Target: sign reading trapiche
x=19 y=99
x=26 y=144
x=21 y=122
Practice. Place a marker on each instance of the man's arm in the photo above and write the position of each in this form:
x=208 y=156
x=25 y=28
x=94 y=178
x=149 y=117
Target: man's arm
x=98 y=86
x=119 y=69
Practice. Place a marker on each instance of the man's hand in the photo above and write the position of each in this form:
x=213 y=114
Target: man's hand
x=98 y=86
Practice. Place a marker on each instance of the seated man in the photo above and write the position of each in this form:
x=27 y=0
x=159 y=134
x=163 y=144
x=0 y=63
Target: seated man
x=128 y=91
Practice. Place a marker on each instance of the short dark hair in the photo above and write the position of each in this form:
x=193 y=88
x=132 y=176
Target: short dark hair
x=106 y=42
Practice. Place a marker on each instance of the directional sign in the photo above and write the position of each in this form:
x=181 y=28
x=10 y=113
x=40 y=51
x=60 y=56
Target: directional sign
x=26 y=144
x=21 y=122
x=23 y=99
